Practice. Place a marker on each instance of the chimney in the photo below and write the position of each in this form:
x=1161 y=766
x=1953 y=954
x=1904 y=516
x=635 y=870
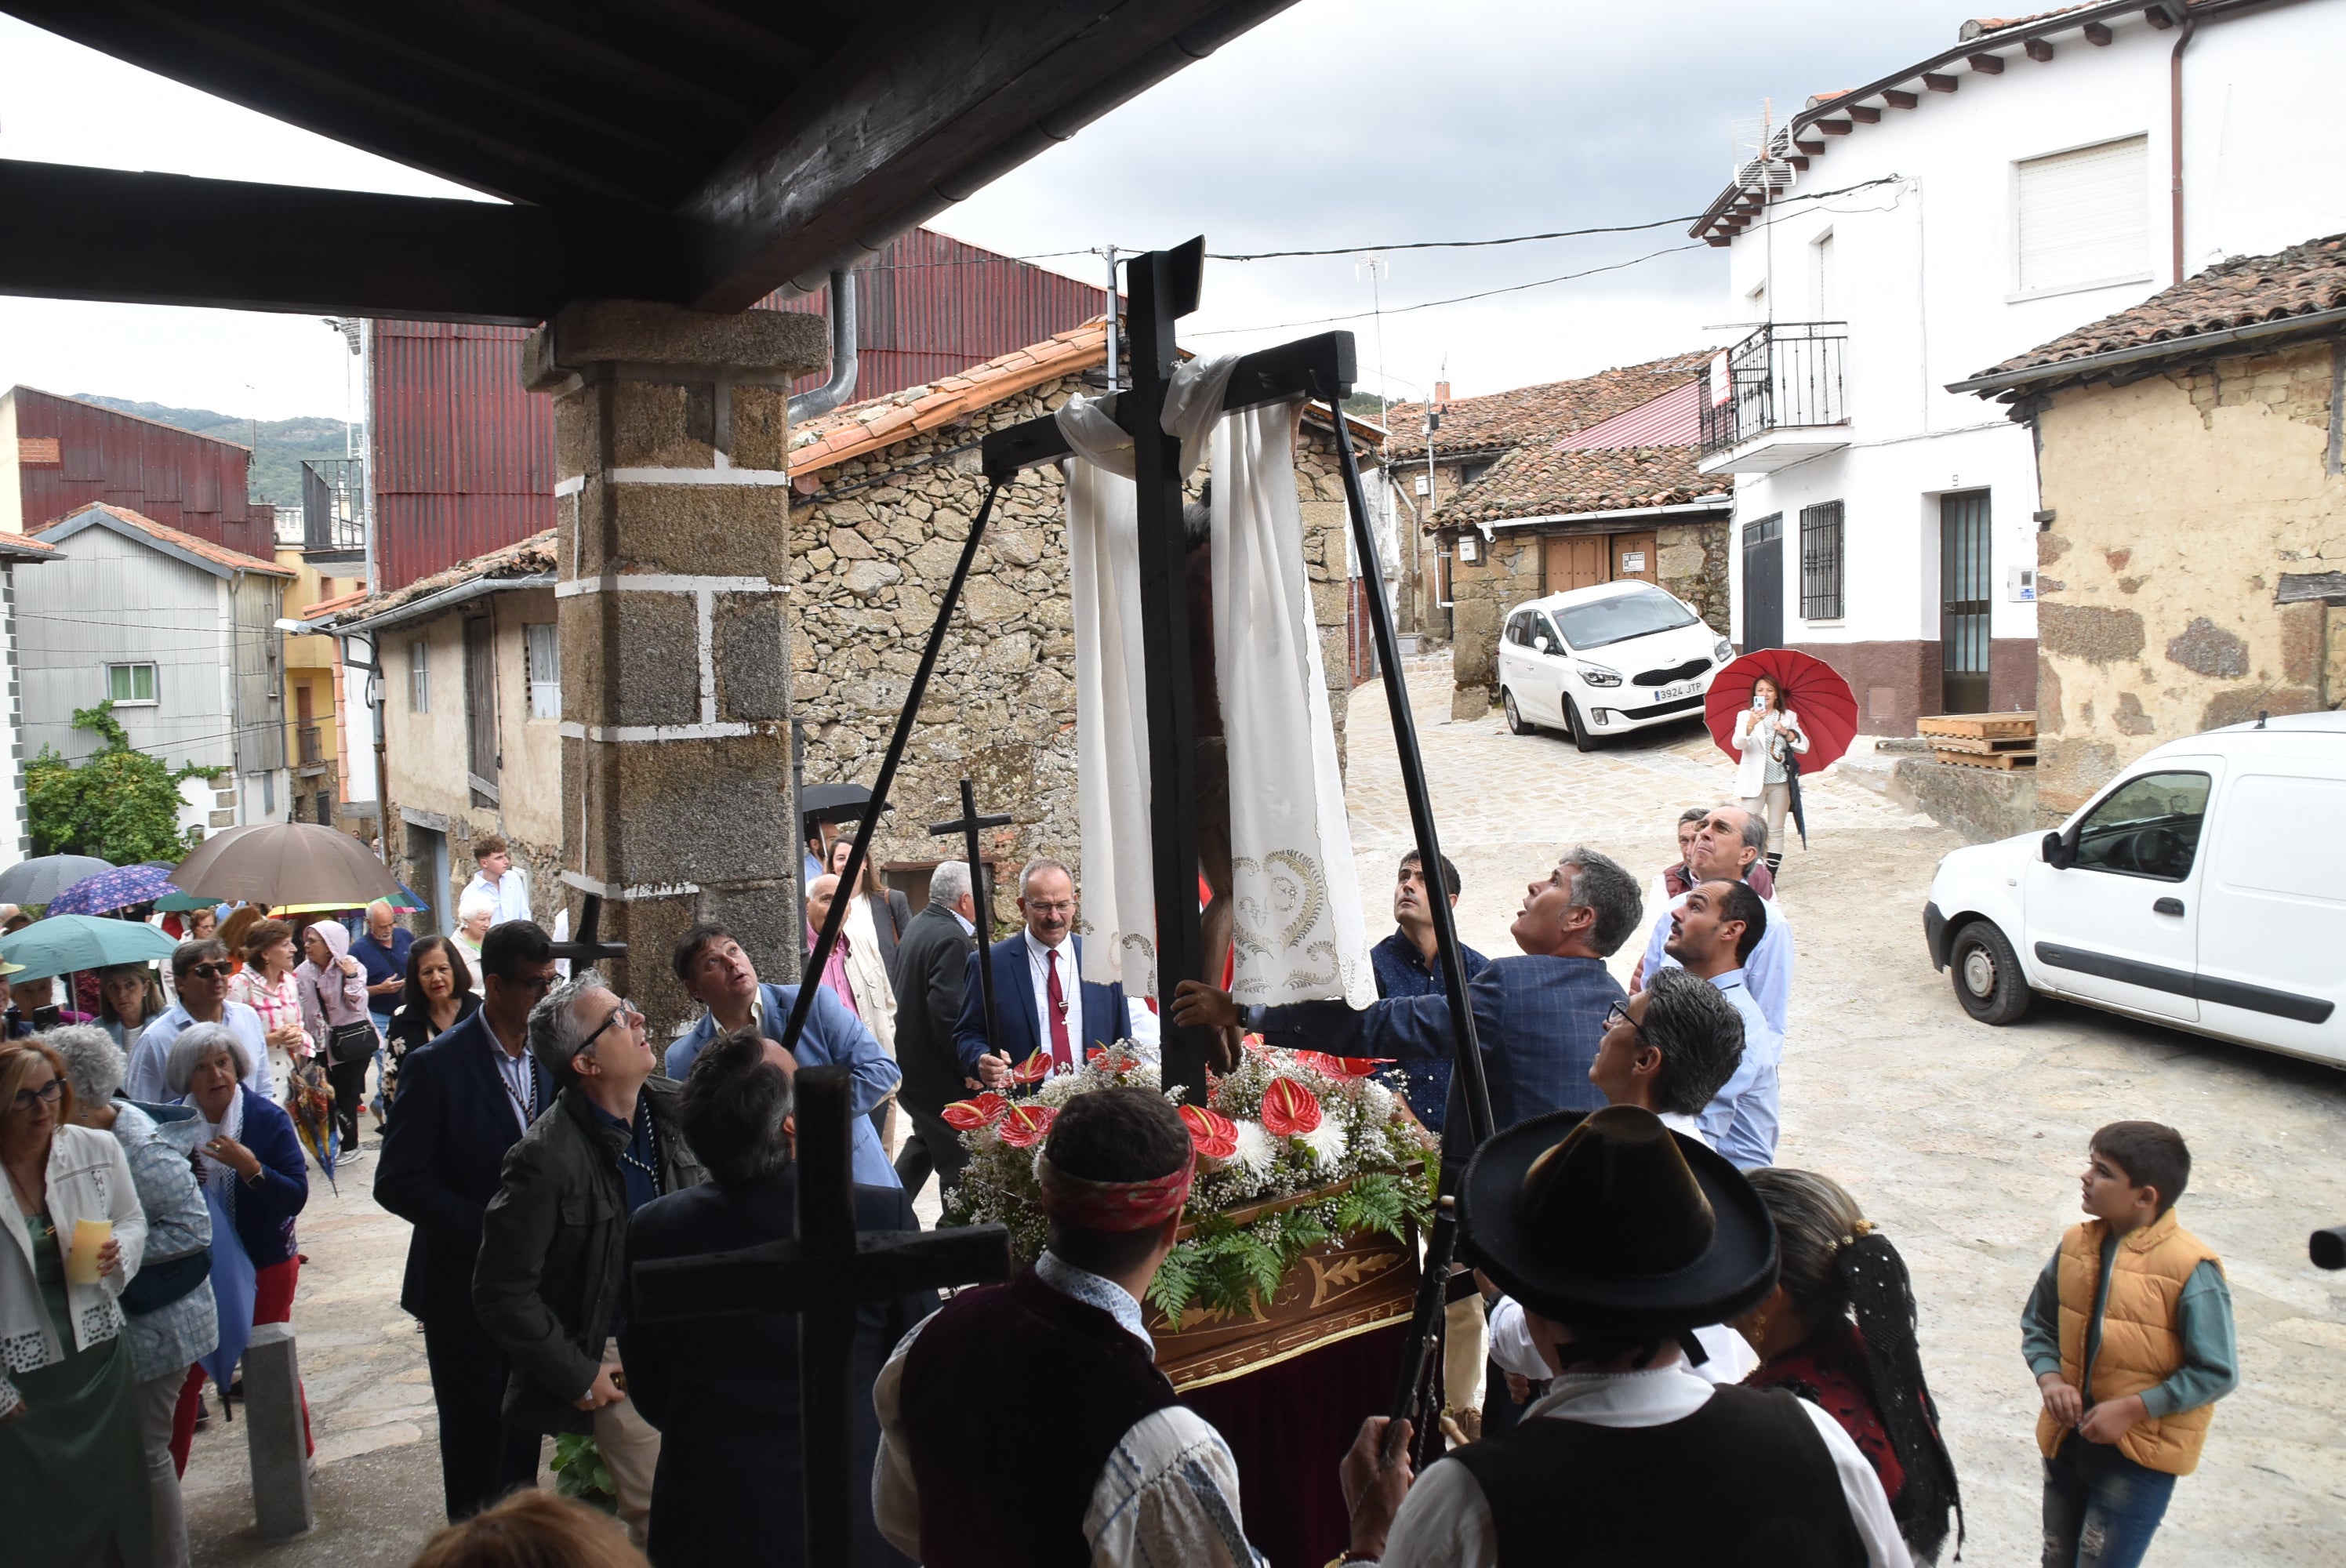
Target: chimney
x=1442 y=392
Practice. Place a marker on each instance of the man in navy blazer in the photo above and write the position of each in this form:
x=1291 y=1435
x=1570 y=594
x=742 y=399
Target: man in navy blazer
x=464 y=1100
x=1040 y=1001
x=717 y=975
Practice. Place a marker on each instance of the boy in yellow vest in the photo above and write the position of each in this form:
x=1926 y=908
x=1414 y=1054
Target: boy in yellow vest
x=2129 y=1332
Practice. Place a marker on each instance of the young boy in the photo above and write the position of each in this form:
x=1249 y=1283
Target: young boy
x=2130 y=1333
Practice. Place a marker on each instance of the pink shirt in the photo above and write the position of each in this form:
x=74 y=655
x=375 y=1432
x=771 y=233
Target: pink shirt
x=278 y=1004
x=834 y=973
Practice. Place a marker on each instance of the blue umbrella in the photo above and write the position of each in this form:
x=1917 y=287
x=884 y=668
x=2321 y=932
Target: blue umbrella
x=119 y=889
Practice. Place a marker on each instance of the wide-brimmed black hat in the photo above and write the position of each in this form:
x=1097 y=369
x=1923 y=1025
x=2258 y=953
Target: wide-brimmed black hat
x=1610 y=1222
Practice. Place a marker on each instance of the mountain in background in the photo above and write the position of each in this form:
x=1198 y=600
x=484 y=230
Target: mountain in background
x=284 y=444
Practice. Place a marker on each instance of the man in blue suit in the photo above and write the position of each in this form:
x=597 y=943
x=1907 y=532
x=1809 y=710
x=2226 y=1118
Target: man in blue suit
x=1041 y=1002
x=718 y=975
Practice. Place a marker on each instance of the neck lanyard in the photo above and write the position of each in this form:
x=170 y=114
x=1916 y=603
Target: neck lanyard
x=651 y=1137
x=528 y=1107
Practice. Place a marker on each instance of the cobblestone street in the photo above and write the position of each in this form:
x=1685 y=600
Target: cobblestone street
x=1964 y=1142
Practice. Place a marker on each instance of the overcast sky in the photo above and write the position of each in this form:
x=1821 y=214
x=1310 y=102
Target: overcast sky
x=1338 y=123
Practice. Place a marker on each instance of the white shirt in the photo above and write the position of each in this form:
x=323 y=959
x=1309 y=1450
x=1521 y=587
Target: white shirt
x=1732 y=1359
x=1071 y=988
x=968 y=926
x=511 y=891
x=144 y=1079
x=1168 y=1494
x=1445 y=1523
x=516 y=1070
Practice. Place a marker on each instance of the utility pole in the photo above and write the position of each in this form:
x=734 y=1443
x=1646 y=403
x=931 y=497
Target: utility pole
x=1110 y=253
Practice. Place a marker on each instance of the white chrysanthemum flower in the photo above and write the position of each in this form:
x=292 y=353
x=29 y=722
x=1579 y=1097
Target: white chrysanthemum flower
x=1327 y=1142
x=1255 y=1155
x=1376 y=1099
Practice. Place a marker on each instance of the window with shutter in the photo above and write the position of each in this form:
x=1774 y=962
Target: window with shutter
x=2083 y=217
x=541 y=654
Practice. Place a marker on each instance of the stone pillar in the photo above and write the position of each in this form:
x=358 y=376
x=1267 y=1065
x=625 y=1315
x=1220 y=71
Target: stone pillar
x=672 y=496
x=274 y=1433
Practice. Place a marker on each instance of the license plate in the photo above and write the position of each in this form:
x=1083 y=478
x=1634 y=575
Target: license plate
x=1673 y=693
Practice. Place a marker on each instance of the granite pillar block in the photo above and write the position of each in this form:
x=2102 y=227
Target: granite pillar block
x=274 y=1433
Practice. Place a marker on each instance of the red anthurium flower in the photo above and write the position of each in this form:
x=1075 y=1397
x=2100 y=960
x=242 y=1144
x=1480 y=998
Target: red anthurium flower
x=1023 y=1125
x=1094 y=1054
x=1341 y=1066
x=1032 y=1069
x=1289 y=1108
x=1216 y=1136
x=968 y=1115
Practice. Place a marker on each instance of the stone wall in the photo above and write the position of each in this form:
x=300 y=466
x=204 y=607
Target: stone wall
x=1691 y=561
x=872 y=550
x=2178 y=501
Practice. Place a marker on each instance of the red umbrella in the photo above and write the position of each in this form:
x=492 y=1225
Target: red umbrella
x=1827 y=707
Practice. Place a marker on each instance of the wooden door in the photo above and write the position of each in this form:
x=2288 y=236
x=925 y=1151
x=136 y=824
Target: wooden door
x=1633 y=556
x=1763 y=582
x=481 y=709
x=1574 y=561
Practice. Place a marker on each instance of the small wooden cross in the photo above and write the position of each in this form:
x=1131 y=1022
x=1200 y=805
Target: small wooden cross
x=967 y=825
x=583 y=949
x=823 y=1276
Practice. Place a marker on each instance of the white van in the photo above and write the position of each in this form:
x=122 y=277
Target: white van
x=1606 y=659
x=2204 y=887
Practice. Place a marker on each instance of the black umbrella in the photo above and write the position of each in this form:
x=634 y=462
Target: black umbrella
x=1793 y=784
x=37 y=881
x=833 y=803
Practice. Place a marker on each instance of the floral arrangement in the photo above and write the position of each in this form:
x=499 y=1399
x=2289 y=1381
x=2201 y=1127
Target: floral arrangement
x=1295 y=1148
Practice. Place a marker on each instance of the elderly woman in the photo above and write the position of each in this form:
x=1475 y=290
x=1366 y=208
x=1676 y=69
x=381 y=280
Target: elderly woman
x=73 y=1476
x=266 y=984
x=129 y=997
x=172 y=1319
x=476 y=911
x=251 y=1166
x=334 y=1006
x=1838 y=1331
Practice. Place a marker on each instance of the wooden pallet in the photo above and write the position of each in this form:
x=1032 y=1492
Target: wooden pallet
x=1983 y=747
x=1979 y=726
x=2002 y=761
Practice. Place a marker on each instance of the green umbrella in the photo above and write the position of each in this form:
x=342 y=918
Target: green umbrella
x=63 y=943
x=181 y=904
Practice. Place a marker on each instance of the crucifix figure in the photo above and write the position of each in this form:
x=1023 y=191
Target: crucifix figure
x=823 y=1276
x=585 y=949
x=967 y=825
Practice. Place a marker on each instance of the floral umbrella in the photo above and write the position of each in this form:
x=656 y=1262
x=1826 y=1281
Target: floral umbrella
x=115 y=889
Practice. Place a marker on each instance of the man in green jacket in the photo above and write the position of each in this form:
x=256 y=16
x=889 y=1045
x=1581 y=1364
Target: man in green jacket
x=550 y=1283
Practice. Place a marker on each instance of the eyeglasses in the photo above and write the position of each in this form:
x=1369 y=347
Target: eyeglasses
x=48 y=1094
x=211 y=971
x=1619 y=1015
x=626 y=1009
x=1066 y=908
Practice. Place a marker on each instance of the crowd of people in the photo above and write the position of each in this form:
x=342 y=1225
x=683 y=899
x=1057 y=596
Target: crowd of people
x=1660 y=1298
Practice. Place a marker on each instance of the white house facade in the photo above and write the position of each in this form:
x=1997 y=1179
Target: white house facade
x=1900 y=237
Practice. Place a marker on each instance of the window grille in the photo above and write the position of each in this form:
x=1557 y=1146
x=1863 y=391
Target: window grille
x=1823 y=562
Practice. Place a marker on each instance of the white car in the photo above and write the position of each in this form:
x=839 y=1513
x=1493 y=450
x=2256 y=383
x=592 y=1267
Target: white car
x=1605 y=661
x=2204 y=887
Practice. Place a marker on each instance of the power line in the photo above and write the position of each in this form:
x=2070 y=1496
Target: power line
x=1456 y=298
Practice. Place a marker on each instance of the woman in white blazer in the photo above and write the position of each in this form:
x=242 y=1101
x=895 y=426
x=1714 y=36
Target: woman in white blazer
x=73 y=1469
x=1766 y=732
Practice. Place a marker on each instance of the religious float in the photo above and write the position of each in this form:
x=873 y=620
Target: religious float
x=1300 y=1231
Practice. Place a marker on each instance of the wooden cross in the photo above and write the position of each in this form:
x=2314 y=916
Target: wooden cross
x=823 y=1276
x=582 y=948
x=967 y=825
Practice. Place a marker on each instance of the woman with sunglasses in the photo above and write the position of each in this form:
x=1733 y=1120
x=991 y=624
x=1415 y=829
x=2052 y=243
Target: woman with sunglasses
x=201 y=972
x=73 y=1469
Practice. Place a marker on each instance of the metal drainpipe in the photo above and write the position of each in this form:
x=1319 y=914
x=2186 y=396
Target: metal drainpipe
x=2175 y=134
x=841 y=384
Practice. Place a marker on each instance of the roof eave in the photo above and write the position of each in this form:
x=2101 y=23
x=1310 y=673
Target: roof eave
x=2041 y=378
x=428 y=606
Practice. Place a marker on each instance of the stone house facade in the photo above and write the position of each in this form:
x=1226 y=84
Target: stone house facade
x=885 y=493
x=1560 y=487
x=2191 y=562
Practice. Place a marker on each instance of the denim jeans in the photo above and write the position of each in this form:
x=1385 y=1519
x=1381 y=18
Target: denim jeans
x=2101 y=1508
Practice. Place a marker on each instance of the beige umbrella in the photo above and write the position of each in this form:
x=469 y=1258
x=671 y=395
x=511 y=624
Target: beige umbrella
x=286 y=864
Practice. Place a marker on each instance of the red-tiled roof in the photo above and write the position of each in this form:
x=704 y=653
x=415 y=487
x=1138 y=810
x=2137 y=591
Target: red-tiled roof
x=1673 y=419
x=24 y=545
x=219 y=554
x=2244 y=291
x=531 y=557
x=340 y=602
x=1550 y=409
x=862 y=428
x=1545 y=481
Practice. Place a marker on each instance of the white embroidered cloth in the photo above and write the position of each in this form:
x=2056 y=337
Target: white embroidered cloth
x=1299 y=934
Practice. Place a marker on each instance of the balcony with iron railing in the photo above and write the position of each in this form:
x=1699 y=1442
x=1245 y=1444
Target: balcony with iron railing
x=1777 y=398
x=334 y=506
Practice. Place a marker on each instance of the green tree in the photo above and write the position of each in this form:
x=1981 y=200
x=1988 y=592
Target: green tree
x=120 y=805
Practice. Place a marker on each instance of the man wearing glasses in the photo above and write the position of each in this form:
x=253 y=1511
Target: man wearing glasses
x=549 y=1285
x=1041 y=1000
x=464 y=1100
x=199 y=972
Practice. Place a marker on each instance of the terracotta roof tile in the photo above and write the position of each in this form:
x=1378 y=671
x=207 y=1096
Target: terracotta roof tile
x=1551 y=409
x=2241 y=293
x=219 y=554
x=527 y=558
x=1536 y=481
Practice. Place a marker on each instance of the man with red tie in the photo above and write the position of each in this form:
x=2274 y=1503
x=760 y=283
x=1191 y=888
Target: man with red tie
x=1041 y=1002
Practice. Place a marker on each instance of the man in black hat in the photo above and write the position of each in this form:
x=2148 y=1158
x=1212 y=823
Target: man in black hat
x=1620 y=1237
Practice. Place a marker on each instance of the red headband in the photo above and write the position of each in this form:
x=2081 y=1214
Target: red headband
x=1112 y=1206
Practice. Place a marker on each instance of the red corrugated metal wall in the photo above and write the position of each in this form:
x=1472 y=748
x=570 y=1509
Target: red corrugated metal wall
x=177 y=477
x=464 y=456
